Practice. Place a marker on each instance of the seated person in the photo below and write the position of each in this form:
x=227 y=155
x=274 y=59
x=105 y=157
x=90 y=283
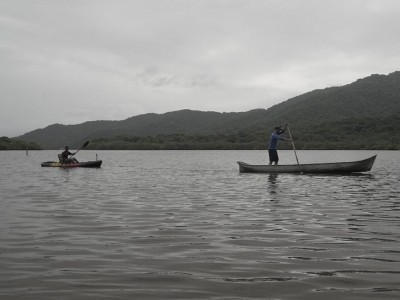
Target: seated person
x=65 y=159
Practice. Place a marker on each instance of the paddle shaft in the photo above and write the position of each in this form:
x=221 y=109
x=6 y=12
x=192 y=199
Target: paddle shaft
x=294 y=148
x=84 y=145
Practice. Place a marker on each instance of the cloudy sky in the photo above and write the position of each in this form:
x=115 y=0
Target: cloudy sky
x=74 y=61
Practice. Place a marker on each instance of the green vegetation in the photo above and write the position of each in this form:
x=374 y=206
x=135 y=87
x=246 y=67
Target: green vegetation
x=13 y=144
x=361 y=115
x=363 y=134
x=348 y=134
x=179 y=142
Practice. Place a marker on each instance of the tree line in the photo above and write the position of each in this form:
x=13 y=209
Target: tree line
x=13 y=144
x=344 y=136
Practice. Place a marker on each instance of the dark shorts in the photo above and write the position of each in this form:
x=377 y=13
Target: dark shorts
x=273 y=155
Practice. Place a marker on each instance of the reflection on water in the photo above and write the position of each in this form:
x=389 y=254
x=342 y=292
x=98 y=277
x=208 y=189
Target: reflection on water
x=188 y=225
x=272 y=186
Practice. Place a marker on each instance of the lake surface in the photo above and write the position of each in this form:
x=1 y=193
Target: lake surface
x=188 y=225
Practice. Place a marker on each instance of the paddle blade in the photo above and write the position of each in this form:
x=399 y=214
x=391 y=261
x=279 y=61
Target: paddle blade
x=85 y=144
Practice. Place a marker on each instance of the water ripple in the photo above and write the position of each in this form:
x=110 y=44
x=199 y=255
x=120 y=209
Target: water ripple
x=187 y=225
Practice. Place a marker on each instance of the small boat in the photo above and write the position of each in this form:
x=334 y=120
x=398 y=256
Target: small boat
x=85 y=164
x=336 y=167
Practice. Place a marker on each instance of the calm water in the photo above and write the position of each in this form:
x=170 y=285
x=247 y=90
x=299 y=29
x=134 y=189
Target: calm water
x=188 y=225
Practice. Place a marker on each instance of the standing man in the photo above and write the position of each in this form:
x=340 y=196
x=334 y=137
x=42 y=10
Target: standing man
x=273 y=144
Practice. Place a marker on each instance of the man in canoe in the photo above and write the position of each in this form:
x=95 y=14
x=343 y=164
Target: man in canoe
x=65 y=159
x=273 y=144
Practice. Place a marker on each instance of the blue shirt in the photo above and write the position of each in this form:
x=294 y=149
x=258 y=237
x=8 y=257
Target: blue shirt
x=273 y=142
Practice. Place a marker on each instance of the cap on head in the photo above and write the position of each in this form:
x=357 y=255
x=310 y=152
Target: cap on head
x=66 y=147
x=277 y=128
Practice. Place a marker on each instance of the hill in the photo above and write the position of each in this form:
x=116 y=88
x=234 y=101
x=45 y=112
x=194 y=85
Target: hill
x=183 y=122
x=361 y=115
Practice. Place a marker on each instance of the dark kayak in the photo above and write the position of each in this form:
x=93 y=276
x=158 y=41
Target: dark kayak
x=85 y=164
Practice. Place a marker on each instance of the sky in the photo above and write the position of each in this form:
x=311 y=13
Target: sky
x=74 y=61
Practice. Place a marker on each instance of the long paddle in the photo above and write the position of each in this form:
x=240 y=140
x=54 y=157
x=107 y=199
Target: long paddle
x=84 y=145
x=294 y=149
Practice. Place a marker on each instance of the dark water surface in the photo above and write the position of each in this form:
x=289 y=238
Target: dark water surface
x=188 y=225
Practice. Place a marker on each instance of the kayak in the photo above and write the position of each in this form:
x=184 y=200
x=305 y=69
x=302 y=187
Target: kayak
x=335 y=167
x=85 y=164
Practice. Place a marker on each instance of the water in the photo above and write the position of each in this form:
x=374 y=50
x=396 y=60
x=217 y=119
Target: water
x=188 y=225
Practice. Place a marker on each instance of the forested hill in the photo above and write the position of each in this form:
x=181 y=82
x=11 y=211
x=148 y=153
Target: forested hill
x=362 y=115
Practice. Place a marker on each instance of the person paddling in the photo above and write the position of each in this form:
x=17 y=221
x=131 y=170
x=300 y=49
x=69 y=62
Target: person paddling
x=273 y=144
x=65 y=154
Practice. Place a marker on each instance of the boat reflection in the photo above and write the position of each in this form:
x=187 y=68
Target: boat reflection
x=272 y=180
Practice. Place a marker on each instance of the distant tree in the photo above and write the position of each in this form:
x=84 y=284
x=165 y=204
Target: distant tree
x=7 y=143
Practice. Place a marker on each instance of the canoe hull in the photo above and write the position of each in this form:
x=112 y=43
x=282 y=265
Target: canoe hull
x=327 y=168
x=86 y=164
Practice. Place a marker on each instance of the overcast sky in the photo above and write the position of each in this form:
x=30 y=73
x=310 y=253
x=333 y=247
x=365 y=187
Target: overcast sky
x=83 y=60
